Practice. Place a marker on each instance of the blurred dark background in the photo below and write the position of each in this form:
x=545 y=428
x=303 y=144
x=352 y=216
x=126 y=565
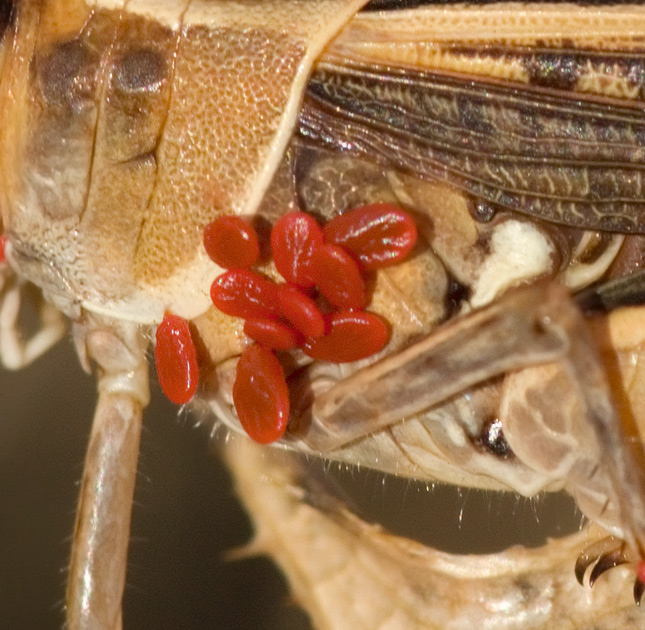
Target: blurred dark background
x=185 y=515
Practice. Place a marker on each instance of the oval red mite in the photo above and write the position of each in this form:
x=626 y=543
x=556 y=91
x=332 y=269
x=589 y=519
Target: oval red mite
x=245 y=294
x=300 y=311
x=271 y=334
x=294 y=239
x=338 y=277
x=260 y=395
x=176 y=359
x=231 y=242
x=352 y=335
x=3 y=242
x=377 y=235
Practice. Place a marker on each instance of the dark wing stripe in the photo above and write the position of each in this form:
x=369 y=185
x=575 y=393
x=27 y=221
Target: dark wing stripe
x=525 y=123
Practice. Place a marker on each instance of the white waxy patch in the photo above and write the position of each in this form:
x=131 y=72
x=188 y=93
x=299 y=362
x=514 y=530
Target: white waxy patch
x=456 y=434
x=519 y=251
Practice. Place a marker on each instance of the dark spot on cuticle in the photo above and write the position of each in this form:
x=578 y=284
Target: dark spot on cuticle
x=68 y=74
x=526 y=589
x=491 y=438
x=554 y=70
x=456 y=295
x=141 y=70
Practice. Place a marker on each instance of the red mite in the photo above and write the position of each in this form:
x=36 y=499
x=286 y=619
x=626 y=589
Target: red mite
x=231 y=243
x=378 y=235
x=353 y=335
x=260 y=395
x=294 y=239
x=271 y=334
x=281 y=317
x=245 y=294
x=338 y=277
x=300 y=311
x=3 y=242
x=176 y=359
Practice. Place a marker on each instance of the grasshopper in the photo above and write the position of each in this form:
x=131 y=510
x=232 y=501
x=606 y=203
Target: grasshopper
x=514 y=135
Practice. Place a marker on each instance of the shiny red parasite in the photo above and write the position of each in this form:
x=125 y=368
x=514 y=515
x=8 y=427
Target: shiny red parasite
x=353 y=335
x=245 y=294
x=260 y=395
x=231 y=242
x=294 y=239
x=378 y=235
x=176 y=359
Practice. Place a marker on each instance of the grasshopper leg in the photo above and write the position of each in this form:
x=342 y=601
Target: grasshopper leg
x=537 y=325
x=507 y=335
x=16 y=351
x=102 y=530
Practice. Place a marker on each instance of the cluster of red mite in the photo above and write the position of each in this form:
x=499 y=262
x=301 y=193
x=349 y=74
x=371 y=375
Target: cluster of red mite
x=318 y=309
x=321 y=267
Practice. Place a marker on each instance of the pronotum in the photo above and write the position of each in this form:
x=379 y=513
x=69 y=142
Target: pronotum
x=513 y=134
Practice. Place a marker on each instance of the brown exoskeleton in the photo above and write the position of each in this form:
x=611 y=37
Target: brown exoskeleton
x=514 y=134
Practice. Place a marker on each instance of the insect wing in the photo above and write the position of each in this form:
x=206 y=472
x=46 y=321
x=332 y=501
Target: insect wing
x=542 y=124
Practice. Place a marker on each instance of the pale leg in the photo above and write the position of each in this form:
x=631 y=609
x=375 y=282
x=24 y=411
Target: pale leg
x=16 y=351
x=99 y=549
